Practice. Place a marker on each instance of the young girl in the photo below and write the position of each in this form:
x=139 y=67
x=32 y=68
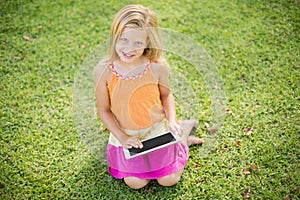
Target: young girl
x=135 y=103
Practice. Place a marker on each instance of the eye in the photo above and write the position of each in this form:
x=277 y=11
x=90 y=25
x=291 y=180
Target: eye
x=139 y=43
x=123 y=39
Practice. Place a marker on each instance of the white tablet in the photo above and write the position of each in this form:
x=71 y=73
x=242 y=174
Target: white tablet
x=152 y=144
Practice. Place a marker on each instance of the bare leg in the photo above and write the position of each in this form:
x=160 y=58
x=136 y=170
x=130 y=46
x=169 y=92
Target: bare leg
x=136 y=183
x=171 y=179
x=186 y=128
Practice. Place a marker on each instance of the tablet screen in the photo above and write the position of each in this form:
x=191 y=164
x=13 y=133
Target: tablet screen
x=152 y=143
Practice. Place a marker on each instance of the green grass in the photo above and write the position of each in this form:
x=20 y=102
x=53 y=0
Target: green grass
x=255 y=47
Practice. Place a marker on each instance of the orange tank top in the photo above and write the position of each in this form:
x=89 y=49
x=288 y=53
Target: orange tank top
x=135 y=101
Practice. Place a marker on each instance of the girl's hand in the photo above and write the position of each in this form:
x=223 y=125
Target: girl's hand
x=132 y=142
x=174 y=127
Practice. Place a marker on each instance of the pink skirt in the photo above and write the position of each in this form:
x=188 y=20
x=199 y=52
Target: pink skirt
x=153 y=165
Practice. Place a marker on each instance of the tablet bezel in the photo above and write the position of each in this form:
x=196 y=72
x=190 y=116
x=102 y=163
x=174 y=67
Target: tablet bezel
x=177 y=139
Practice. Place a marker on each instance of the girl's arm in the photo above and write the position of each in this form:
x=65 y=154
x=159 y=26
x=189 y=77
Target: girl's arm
x=167 y=98
x=105 y=114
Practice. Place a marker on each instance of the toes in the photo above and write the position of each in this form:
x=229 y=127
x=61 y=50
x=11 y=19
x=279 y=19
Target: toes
x=192 y=140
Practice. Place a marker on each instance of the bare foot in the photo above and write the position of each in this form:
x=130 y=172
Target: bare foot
x=188 y=128
x=193 y=140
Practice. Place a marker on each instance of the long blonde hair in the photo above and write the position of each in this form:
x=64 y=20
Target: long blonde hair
x=136 y=16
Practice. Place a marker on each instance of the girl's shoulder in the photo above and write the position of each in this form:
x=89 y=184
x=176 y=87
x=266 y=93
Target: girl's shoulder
x=102 y=71
x=160 y=68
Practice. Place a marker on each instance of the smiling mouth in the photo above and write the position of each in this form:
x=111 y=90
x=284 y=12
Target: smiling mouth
x=126 y=55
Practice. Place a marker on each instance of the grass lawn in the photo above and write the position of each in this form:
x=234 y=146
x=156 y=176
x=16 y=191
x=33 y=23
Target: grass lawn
x=255 y=47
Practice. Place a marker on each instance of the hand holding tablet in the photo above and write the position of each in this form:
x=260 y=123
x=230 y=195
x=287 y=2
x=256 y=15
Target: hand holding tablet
x=152 y=144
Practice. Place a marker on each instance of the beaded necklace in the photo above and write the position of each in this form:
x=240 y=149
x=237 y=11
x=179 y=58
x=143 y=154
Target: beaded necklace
x=118 y=75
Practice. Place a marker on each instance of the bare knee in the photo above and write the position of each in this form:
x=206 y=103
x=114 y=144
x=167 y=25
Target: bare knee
x=136 y=183
x=169 y=180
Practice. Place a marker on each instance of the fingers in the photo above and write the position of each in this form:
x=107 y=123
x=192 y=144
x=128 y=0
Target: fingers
x=133 y=142
x=175 y=128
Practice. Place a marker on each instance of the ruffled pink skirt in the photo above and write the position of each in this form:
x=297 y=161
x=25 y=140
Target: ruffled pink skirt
x=153 y=165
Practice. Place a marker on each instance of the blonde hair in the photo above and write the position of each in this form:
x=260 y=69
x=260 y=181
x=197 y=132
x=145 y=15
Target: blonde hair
x=136 y=16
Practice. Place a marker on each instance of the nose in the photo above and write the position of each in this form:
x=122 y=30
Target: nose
x=130 y=47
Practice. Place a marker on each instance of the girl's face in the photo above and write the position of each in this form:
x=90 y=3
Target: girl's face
x=131 y=45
